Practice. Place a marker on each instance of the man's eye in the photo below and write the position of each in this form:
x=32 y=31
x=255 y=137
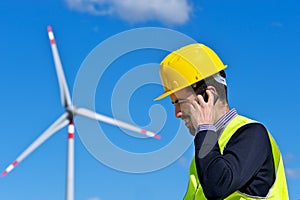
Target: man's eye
x=175 y=102
x=180 y=101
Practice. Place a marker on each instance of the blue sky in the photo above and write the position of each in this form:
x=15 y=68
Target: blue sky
x=258 y=40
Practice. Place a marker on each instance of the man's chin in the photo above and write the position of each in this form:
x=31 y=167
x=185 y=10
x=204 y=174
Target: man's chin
x=192 y=131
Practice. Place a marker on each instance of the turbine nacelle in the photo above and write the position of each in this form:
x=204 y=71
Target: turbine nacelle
x=70 y=110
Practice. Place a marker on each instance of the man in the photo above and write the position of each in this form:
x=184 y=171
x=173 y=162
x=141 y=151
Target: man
x=235 y=157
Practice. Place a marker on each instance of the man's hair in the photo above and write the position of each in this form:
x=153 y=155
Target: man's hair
x=200 y=86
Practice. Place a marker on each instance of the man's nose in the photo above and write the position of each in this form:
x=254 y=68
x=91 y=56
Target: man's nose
x=178 y=112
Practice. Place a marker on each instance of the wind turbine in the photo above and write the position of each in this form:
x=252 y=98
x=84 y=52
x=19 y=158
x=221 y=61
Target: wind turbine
x=67 y=119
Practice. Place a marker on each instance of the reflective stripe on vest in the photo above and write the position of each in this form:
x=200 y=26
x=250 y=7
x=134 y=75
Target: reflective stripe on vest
x=277 y=191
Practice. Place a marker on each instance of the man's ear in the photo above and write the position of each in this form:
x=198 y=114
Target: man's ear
x=213 y=89
x=215 y=93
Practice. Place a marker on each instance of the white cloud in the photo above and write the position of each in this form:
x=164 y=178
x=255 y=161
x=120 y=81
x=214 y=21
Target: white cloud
x=292 y=173
x=166 y=11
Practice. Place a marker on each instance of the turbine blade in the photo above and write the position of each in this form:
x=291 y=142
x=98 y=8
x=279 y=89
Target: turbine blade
x=57 y=125
x=93 y=115
x=64 y=91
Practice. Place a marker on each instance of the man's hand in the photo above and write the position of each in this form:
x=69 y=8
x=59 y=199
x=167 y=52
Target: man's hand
x=196 y=112
x=206 y=109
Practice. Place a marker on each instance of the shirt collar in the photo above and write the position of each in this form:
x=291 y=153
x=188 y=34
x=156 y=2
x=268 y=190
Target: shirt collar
x=225 y=119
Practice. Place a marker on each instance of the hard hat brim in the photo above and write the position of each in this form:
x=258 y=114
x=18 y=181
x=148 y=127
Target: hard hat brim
x=165 y=94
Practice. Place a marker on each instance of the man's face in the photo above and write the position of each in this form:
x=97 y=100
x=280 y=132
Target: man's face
x=182 y=102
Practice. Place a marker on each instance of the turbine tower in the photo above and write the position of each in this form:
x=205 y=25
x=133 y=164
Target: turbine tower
x=67 y=119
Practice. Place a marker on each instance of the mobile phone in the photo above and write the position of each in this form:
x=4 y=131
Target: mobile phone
x=205 y=97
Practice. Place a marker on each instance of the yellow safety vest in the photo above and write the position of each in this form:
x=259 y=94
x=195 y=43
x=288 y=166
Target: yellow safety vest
x=277 y=192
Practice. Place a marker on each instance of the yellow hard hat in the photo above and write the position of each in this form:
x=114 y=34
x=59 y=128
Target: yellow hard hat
x=188 y=65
